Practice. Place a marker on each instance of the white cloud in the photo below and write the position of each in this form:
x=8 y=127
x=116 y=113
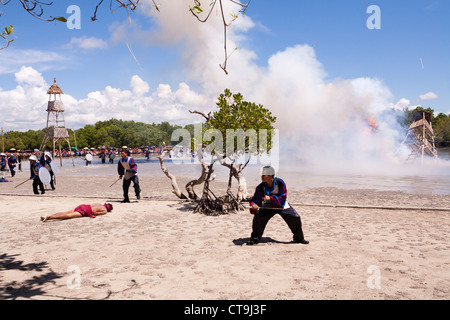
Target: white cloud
x=401 y=104
x=29 y=76
x=25 y=106
x=87 y=43
x=13 y=59
x=321 y=121
x=22 y=107
x=428 y=96
x=139 y=86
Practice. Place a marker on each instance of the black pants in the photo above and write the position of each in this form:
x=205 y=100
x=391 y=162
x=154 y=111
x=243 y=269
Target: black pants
x=126 y=186
x=51 y=180
x=290 y=216
x=38 y=183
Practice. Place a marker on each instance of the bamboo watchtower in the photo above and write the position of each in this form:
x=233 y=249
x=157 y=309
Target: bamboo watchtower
x=56 y=126
x=419 y=135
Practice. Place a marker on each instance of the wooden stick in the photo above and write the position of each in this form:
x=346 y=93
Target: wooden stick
x=115 y=182
x=21 y=183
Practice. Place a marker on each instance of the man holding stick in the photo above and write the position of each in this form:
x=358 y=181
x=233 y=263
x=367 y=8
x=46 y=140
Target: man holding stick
x=127 y=167
x=34 y=168
x=269 y=199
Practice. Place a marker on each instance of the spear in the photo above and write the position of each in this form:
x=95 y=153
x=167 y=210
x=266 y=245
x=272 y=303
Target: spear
x=21 y=183
x=115 y=182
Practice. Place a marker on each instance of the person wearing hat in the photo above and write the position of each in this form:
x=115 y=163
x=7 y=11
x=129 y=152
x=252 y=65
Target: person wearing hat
x=45 y=161
x=12 y=162
x=269 y=199
x=3 y=162
x=35 y=166
x=83 y=210
x=127 y=168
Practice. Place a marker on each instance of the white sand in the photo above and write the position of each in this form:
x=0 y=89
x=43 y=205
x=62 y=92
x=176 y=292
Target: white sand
x=156 y=248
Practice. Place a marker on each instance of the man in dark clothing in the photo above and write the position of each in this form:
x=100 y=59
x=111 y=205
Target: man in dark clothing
x=12 y=162
x=45 y=161
x=127 y=167
x=35 y=166
x=270 y=199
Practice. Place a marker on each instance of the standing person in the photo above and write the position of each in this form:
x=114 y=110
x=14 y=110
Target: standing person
x=34 y=168
x=269 y=199
x=45 y=161
x=88 y=156
x=3 y=162
x=127 y=167
x=103 y=156
x=112 y=155
x=20 y=161
x=83 y=210
x=12 y=162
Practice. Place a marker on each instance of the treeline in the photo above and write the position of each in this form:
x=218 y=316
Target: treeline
x=110 y=133
x=117 y=133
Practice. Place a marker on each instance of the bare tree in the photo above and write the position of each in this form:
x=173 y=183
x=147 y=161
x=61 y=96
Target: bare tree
x=243 y=118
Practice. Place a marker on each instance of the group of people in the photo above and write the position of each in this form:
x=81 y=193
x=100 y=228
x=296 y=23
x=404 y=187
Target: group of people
x=36 y=165
x=269 y=199
x=11 y=160
x=127 y=170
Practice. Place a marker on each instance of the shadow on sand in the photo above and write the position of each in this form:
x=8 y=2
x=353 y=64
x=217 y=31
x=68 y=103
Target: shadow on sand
x=11 y=290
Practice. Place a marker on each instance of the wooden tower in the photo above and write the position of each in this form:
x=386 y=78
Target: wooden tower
x=56 y=126
x=420 y=137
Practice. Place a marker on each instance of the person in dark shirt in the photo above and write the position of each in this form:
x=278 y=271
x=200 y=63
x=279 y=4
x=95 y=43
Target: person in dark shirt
x=270 y=198
x=35 y=166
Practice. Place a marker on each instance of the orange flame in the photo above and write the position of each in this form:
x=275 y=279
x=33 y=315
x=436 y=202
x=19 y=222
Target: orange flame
x=372 y=122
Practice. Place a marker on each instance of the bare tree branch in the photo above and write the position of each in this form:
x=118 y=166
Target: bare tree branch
x=207 y=117
x=173 y=179
x=35 y=8
x=226 y=24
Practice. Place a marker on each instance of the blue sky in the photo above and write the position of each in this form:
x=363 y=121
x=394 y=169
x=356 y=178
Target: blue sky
x=172 y=74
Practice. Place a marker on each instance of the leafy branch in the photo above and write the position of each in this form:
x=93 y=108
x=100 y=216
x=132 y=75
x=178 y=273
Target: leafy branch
x=5 y=36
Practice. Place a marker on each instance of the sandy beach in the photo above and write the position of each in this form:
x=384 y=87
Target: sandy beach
x=364 y=244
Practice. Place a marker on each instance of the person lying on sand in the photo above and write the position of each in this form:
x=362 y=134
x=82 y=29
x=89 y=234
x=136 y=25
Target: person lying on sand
x=83 y=210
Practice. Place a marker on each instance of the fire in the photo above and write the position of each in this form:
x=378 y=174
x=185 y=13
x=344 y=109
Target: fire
x=372 y=122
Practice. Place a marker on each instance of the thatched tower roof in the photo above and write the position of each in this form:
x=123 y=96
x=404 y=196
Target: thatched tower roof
x=54 y=89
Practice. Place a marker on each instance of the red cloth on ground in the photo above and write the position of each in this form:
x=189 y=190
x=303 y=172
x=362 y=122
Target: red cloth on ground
x=85 y=210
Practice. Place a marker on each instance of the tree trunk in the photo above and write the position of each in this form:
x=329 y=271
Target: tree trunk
x=207 y=205
x=242 y=183
x=190 y=185
x=173 y=179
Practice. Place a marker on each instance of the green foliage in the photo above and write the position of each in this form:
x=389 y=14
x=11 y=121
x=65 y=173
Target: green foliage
x=441 y=129
x=440 y=124
x=244 y=122
x=5 y=34
x=110 y=133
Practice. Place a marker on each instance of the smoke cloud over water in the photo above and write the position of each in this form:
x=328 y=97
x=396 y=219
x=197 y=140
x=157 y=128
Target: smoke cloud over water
x=324 y=124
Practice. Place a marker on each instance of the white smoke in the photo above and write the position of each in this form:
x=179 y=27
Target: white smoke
x=323 y=123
